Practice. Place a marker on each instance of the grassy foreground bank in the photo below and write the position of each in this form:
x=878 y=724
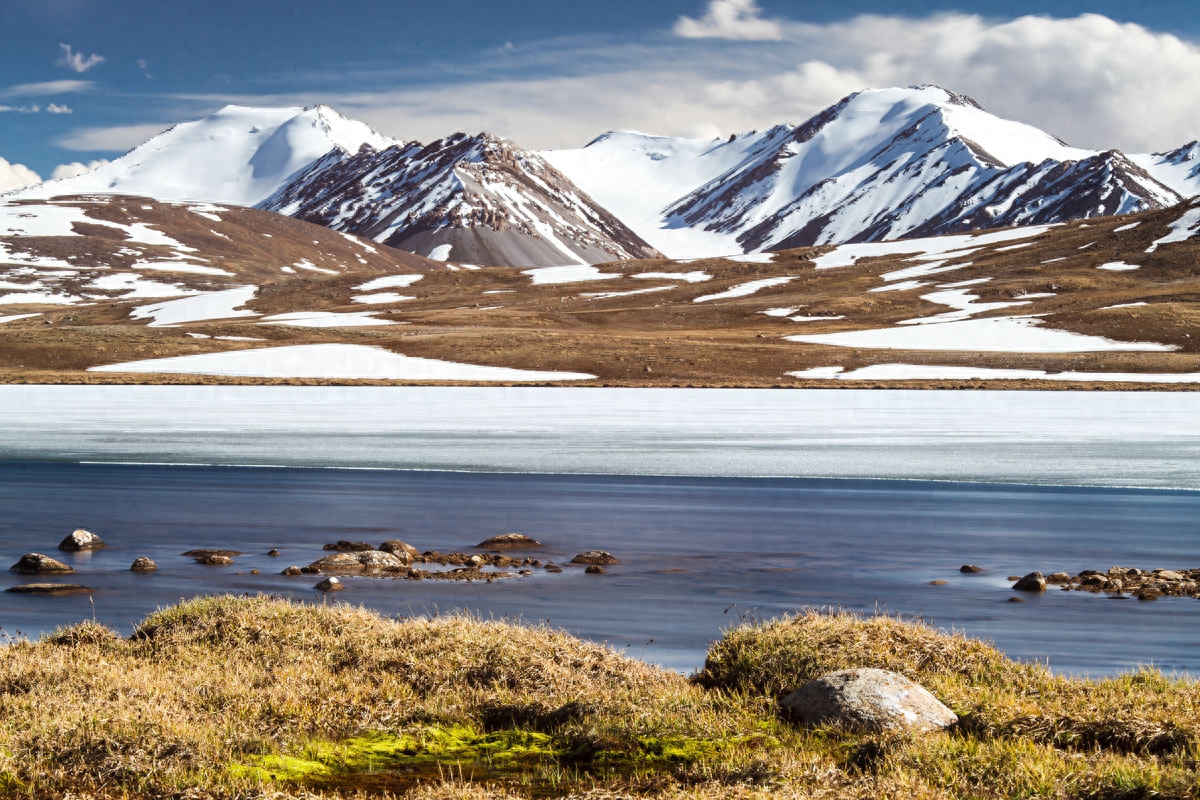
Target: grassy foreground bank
x=259 y=697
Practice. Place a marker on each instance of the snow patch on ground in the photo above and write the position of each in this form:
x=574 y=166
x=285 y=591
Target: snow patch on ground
x=441 y=252
x=15 y=317
x=571 y=273
x=1182 y=229
x=1128 y=227
x=177 y=266
x=201 y=307
x=847 y=255
x=903 y=286
x=902 y=372
x=325 y=319
x=753 y=258
x=609 y=295
x=815 y=319
x=991 y=335
x=697 y=276
x=743 y=289
x=1126 y=305
x=333 y=361
x=1118 y=266
x=779 y=312
x=389 y=282
x=135 y=286
x=382 y=297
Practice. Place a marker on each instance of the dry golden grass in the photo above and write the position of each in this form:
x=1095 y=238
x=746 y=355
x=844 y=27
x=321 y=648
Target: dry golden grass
x=259 y=697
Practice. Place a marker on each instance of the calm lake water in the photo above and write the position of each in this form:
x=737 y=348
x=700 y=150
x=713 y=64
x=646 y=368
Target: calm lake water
x=742 y=548
x=722 y=504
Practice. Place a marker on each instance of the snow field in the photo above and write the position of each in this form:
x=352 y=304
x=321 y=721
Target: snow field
x=743 y=289
x=902 y=372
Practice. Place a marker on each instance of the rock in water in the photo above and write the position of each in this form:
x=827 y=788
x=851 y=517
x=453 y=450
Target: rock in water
x=143 y=564
x=969 y=569
x=400 y=549
x=868 y=700
x=344 y=546
x=81 y=540
x=330 y=585
x=38 y=564
x=509 y=541
x=364 y=561
x=1033 y=582
x=49 y=588
x=595 y=557
x=214 y=560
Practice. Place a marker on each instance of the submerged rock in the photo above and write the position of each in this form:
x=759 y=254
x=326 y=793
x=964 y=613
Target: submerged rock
x=868 y=700
x=595 y=569
x=510 y=541
x=49 y=588
x=81 y=539
x=969 y=569
x=206 y=551
x=274 y=552
x=595 y=557
x=143 y=564
x=38 y=564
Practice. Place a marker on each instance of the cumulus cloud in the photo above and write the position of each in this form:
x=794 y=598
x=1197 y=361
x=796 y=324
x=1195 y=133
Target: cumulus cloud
x=730 y=19
x=55 y=108
x=113 y=139
x=77 y=61
x=16 y=176
x=76 y=168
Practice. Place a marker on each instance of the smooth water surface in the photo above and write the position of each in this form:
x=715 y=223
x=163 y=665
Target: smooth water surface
x=698 y=553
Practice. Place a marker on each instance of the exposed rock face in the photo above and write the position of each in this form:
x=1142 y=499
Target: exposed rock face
x=330 y=585
x=1033 y=582
x=365 y=561
x=510 y=541
x=868 y=700
x=399 y=548
x=81 y=540
x=143 y=564
x=49 y=588
x=343 y=546
x=595 y=557
x=38 y=564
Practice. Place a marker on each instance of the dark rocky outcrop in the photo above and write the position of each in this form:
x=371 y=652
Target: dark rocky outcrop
x=595 y=557
x=81 y=539
x=1033 y=582
x=38 y=564
x=344 y=546
x=49 y=588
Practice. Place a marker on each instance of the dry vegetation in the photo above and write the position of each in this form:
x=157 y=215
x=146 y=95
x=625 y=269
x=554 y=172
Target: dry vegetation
x=229 y=697
x=496 y=316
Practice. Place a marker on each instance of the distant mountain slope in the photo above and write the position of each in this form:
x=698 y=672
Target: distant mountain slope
x=238 y=155
x=475 y=199
x=880 y=164
x=1179 y=169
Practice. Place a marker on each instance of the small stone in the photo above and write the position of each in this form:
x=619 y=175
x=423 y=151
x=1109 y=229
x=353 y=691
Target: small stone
x=143 y=564
x=595 y=569
x=509 y=541
x=1168 y=575
x=1014 y=577
x=254 y=572
x=595 y=557
x=868 y=700
x=49 y=588
x=292 y=570
x=553 y=568
x=329 y=585
x=1147 y=594
x=38 y=564
x=970 y=568
x=273 y=552
x=1058 y=577
x=1033 y=582
x=475 y=561
x=1016 y=600
x=938 y=583
x=214 y=560
x=81 y=540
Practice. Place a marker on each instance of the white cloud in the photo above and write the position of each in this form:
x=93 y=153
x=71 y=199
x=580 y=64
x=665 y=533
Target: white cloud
x=77 y=61
x=46 y=88
x=117 y=138
x=76 y=168
x=16 y=176
x=55 y=108
x=730 y=19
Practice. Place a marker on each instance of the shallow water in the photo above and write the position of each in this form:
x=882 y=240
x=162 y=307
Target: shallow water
x=743 y=548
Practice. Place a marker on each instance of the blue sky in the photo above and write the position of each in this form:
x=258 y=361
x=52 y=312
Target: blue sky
x=103 y=75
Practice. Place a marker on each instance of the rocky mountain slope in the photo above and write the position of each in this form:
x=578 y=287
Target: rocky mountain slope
x=475 y=199
x=879 y=165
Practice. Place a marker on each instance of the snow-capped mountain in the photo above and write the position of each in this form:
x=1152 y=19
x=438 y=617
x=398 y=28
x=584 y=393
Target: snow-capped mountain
x=474 y=199
x=1179 y=169
x=238 y=155
x=880 y=164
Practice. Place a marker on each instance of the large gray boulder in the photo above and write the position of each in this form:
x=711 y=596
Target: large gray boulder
x=868 y=700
